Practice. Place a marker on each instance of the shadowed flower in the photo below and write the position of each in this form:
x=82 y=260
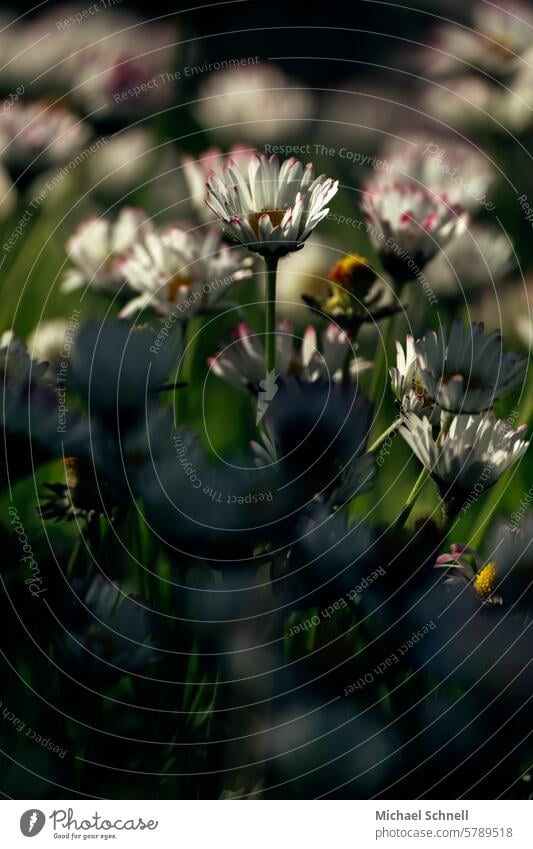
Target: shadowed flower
x=268 y=208
x=242 y=362
x=181 y=272
x=114 y=365
x=97 y=247
x=466 y=372
x=35 y=430
x=106 y=632
x=505 y=574
x=354 y=296
x=17 y=369
x=315 y=434
x=83 y=495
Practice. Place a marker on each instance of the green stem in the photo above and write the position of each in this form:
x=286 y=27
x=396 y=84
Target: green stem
x=382 y=437
x=411 y=498
x=271 y=263
x=181 y=397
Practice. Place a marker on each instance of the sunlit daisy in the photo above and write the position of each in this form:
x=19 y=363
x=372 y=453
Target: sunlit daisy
x=409 y=225
x=405 y=378
x=97 y=246
x=176 y=271
x=474 y=452
x=196 y=173
x=452 y=170
x=268 y=208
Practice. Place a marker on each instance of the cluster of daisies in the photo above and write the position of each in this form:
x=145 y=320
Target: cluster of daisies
x=446 y=383
x=249 y=215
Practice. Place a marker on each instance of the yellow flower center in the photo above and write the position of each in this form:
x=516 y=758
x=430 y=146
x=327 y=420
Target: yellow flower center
x=275 y=215
x=353 y=272
x=485 y=581
x=177 y=282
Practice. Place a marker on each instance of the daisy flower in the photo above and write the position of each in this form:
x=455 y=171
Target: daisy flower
x=176 y=270
x=268 y=208
x=405 y=378
x=466 y=372
x=242 y=363
x=505 y=574
x=409 y=225
x=315 y=434
x=38 y=134
x=457 y=172
x=97 y=246
x=197 y=171
x=471 y=455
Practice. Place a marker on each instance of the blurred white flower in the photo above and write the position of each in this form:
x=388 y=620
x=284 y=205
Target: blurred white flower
x=496 y=37
x=482 y=256
x=97 y=246
x=196 y=173
x=320 y=357
x=473 y=103
x=305 y=273
x=39 y=134
x=409 y=225
x=474 y=451
x=122 y=162
x=183 y=272
x=256 y=103
x=455 y=171
x=47 y=341
x=270 y=209
x=468 y=371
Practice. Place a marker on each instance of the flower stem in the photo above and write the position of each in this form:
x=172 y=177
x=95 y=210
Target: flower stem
x=271 y=263
x=411 y=498
x=382 y=437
